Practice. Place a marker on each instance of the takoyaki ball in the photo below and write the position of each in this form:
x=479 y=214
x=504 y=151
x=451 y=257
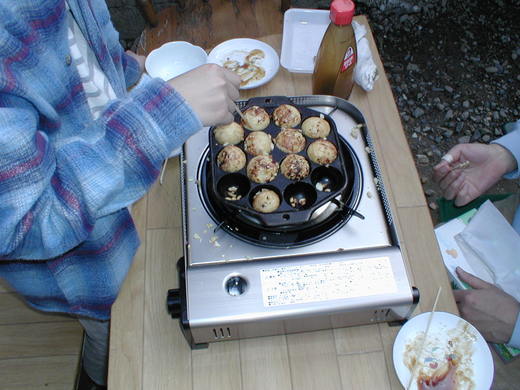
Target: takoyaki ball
x=322 y=152
x=256 y=118
x=266 y=201
x=290 y=141
x=262 y=169
x=286 y=116
x=315 y=127
x=295 y=167
x=230 y=134
x=258 y=143
x=231 y=159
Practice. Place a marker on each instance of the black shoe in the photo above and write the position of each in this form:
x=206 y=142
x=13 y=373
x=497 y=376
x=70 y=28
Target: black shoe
x=85 y=383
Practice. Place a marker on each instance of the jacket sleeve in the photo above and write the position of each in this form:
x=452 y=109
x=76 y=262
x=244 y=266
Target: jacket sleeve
x=511 y=142
x=515 y=337
x=130 y=69
x=51 y=194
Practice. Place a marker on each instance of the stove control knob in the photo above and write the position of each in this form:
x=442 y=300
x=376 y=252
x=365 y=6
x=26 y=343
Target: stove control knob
x=173 y=303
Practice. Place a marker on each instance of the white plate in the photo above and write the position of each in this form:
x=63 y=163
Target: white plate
x=444 y=326
x=237 y=49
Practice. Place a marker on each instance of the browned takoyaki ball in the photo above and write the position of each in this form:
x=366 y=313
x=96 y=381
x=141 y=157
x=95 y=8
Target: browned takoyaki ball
x=315 y=127
x=262 y=169
x=230 y=134
x=255 y=118
x=258 y=143
x=295 y=167
x=322 y=152
x=290 y=141
x=286 y=116
x=231 y=159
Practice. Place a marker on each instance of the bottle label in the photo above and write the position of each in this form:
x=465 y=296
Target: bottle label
x=349 y=59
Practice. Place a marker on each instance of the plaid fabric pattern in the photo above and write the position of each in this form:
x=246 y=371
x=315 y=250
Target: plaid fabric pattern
x=66 y=237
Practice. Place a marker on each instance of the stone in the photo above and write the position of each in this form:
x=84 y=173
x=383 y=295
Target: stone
x=422 y=159
x=429 y=192
x=418 y=112
x=412 y=68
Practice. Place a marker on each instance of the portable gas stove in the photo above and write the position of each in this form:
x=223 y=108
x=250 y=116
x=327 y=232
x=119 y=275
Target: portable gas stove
x=343 y=267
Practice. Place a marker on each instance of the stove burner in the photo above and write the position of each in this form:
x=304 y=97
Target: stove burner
x=326 y=220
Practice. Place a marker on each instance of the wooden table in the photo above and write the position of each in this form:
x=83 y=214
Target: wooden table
x=147 y=349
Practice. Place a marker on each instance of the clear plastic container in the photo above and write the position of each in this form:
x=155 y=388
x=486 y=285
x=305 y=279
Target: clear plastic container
x=303 y=30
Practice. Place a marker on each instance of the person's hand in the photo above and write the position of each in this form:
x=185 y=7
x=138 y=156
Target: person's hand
x=210 y=90
x=489 y=309
x=140 y=59
x=468 y=170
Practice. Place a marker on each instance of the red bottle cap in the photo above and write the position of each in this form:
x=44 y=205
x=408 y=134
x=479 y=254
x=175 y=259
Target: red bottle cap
x=342 y=12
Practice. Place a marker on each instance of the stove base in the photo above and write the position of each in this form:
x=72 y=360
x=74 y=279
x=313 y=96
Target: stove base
x=226 y=325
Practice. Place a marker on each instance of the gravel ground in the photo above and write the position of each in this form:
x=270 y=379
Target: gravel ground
x=455 y=75
x=454 y=68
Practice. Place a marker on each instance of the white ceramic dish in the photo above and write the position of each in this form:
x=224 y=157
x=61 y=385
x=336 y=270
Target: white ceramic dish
x=173 y=59
x=237 y=49
x=303 y=30
x=443 y=328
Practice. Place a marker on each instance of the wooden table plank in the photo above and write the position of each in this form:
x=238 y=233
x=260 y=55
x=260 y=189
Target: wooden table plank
x=265 y=363
x=364 y=371
x=218 y=367
x=358 y=339
x=125 y=367
x=313 y=359
x=162 y=198
x=166 y=353
x=388 y=335
x=39 y=373
x=426 y=263
x=40 y=339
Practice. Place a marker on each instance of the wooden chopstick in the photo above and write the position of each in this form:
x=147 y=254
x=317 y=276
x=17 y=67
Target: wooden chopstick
x=418 y=360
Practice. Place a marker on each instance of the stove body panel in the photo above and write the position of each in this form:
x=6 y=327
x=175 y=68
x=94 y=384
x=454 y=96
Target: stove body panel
x=280 y=296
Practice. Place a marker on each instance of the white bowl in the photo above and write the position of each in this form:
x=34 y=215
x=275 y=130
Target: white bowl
x=174 y=58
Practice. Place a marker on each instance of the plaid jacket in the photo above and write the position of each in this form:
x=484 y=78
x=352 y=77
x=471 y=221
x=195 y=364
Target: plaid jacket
x=66 y=237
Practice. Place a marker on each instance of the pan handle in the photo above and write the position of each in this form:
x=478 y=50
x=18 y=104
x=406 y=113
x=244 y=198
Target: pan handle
x=343 y=207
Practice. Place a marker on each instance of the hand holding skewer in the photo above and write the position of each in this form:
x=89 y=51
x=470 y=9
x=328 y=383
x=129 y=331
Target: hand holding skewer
x=468 y=170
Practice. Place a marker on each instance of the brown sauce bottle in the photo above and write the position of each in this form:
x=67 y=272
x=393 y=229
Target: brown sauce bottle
x=337 y=55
